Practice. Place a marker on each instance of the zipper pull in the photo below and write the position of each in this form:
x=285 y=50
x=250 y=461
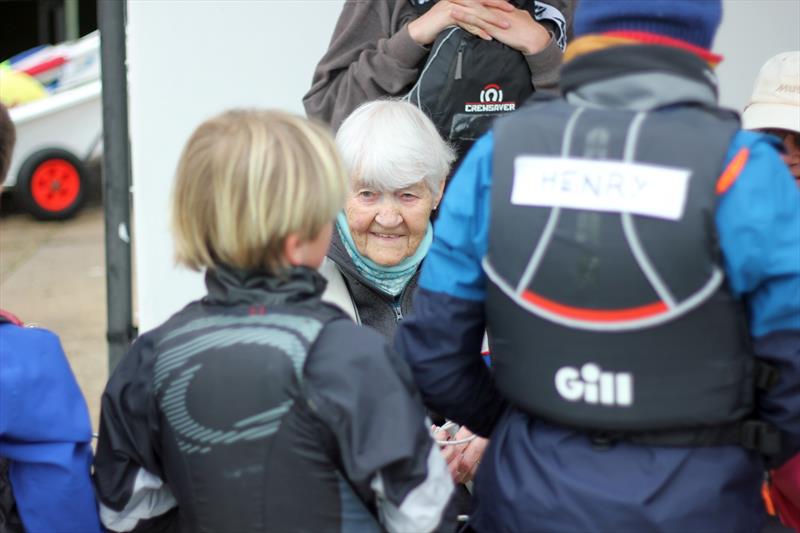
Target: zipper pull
x=459 y=60
x=398 y=313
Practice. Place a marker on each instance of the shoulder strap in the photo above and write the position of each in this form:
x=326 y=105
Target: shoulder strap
x=337 y=292
x=6 y=317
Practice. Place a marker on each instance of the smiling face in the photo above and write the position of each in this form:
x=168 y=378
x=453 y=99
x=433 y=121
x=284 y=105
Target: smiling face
x=387 y=227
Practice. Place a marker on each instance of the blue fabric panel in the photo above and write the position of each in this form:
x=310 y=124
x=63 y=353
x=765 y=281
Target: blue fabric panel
x=461 y=233
x=758 y=220
x=45 y=432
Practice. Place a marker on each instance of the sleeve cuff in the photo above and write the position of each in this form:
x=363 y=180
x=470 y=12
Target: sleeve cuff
x=545 y=66
x=405 y=49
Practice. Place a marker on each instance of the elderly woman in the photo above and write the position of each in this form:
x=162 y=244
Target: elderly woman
x=397 y=164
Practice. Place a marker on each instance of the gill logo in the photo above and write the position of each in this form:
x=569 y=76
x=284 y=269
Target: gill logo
x=594 y=386
x=492 y=93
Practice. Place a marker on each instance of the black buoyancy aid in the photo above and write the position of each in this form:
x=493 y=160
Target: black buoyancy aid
x=608 y=319
x=229 y=342
x=255 y=361
x=467 y=82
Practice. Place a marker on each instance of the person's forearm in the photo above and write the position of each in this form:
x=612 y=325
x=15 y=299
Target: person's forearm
x=441 y=341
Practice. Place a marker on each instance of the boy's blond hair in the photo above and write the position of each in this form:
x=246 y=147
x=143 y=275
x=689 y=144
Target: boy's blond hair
x=246 y=180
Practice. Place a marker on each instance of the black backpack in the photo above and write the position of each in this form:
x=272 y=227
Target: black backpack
x=467 y=82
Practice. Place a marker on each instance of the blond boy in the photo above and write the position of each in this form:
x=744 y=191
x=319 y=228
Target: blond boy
x=258 y=407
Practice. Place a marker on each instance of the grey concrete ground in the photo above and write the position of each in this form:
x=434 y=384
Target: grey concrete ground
x=52 y=274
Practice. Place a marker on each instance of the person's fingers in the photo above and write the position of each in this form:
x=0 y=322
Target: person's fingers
x=440 y=434
x=484 y=19
x=473 y=470
x=474 y=30
x=471 y=457
x=451 y=453
x=463 y=433
x=503 y=5
x=454 y=472
x=466 y=468
x=472 y=454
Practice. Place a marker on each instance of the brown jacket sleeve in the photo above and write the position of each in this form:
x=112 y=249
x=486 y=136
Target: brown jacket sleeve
x=371 y=55
x=545 y=65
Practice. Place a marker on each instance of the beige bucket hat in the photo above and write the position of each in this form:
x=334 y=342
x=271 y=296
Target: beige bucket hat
x=776 y=95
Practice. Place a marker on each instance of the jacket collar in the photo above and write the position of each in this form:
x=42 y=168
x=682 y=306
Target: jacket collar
x=231 y=286
x=638 y=78
x=338 y=254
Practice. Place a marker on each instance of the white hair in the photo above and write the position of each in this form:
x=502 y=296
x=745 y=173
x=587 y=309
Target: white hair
x=392 y=145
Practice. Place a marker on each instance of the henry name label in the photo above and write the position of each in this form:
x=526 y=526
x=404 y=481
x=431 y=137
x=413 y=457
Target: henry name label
x=611 y=186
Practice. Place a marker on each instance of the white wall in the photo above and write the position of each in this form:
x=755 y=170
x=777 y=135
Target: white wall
x=191 y=59
x=188 y=60
x=752 y=31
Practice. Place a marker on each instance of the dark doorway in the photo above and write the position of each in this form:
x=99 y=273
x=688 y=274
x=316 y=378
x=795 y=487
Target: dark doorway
x=28 y=23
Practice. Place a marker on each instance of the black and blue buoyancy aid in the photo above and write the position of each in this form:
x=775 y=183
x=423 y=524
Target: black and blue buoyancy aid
x=607 y=305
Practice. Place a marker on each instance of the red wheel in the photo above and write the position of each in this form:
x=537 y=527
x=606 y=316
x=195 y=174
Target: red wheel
x=55 y=185
x=50 y=184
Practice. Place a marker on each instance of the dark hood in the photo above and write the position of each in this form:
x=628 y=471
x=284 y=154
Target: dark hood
x=231 y=286
x=640 y=78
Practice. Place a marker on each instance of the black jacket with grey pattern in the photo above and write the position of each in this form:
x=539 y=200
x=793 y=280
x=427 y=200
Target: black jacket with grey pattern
x=376 y=308
x=260 y=408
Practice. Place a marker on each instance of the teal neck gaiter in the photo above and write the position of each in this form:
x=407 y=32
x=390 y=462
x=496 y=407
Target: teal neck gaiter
x=390 y=279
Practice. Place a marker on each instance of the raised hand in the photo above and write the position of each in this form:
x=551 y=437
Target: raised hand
x=483 y=14
x=522 y=32
x=462 y=459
